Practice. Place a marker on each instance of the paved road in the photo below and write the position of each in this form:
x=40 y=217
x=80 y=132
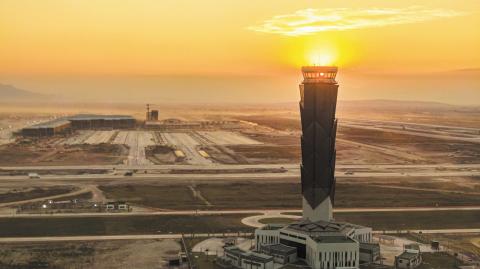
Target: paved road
x=254 y=221
x=288 y=166
x=109 y=237
x=267 y=212
x=176 y=236
x=232 y=176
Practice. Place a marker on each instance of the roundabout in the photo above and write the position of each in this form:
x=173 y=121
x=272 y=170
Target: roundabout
x=258 y=221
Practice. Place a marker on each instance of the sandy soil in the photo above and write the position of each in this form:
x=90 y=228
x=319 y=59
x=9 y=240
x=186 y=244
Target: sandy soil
x=103 y=255
x=44 y=153
x=228 y=138
x=389 y=251
x=214 y=246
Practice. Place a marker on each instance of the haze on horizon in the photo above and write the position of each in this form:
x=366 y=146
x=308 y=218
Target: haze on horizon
x=240 y=51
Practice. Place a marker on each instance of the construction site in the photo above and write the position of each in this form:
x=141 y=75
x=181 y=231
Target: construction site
x=212 y=171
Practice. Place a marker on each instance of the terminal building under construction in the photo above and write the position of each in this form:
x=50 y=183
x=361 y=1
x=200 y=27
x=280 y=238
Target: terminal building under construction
x=81 y=121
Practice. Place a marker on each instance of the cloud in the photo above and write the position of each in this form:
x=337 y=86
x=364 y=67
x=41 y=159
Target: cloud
x=311 y=21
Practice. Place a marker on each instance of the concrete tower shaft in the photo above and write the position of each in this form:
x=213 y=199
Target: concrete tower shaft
x=318 y=103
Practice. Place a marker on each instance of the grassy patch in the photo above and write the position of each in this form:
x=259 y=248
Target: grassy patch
x=258 y=195
x=32 y=193
x=364 y=195
x=248 y=195
x=115 y=225
x=413 y=220
x=251 y=195
x=158 y=196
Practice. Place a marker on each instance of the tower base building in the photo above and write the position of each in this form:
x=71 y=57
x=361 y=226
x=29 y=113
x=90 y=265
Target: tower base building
x=320 y=244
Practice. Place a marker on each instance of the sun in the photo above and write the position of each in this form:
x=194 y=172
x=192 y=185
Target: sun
x=315 y=51
x=321 y=59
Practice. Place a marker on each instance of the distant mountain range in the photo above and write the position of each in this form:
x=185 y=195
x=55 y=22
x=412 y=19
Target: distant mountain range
x=393 y=104
x=12 y=93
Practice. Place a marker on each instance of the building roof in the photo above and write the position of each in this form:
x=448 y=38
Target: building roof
x=257 y=257
x=66 y=120
x=234 y=250
x=272 y=227
x=279 y=248
x=319 y=227
x=408 y=255
x=49 y=124
x=333 y=239
x=249 y=255
x=99 y=117
x=324 y=231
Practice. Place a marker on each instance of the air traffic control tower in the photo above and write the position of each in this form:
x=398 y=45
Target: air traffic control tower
x=318 y=103
x=318 y=239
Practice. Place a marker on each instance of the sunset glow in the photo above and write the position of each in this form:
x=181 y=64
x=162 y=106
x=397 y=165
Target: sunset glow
x=75 y=40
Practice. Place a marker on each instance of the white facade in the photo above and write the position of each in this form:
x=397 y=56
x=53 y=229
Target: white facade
x=266 y=237
x=284 y=259
x=333 y=255
x=251 y=264
x=247 y=259
x=363 y=234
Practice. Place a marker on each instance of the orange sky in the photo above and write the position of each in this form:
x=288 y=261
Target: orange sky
x=70 y=40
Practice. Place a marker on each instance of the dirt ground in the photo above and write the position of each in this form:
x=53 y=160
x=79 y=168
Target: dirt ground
x=457 y=242
x=269 y=135
x=438 y=261
x=430 y=149
x=361 y=146
x=141 y=254
x=159 y=154
x=42 y=153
